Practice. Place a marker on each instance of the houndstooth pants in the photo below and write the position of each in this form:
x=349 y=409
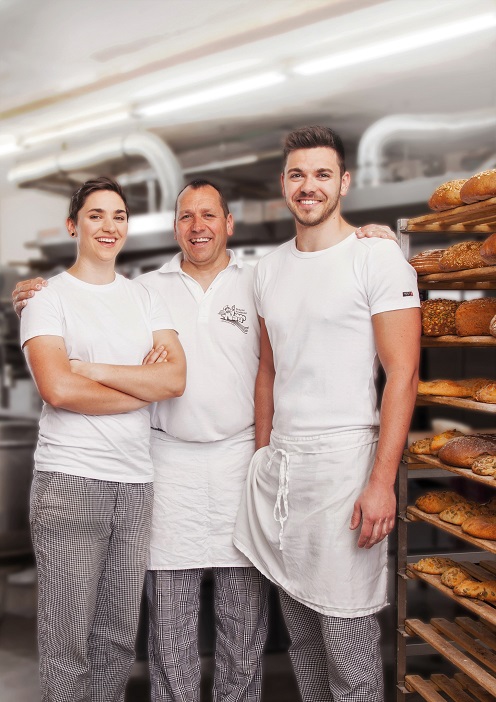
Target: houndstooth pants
x=334 y=659
x=91 y=542
x=240 y=602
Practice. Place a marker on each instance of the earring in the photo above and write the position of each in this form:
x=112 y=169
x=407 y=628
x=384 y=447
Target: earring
x=73 y=233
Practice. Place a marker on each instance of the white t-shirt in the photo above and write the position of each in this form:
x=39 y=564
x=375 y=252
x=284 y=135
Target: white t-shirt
x=219 y=331
x=318 y=310
x=99 y=324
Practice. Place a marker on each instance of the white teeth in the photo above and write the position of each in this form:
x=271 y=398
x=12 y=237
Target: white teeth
x=106 y=241
x=199 y=241
x=309 y=202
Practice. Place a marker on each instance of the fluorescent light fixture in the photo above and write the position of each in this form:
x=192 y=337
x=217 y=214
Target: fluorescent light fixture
x=218 y=165
x=398 y=45
x=200 y=97
x=8 y=145
x=75 y=127
x=194 y=76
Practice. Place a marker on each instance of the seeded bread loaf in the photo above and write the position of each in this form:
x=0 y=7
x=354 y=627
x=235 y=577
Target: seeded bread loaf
x=438 y=317
x=427 y=261
x=473 y=317
x=435 y=501
x=480 y=186
x=481 y=527
x=484 y=465
x=454 y=576
x=463 y=450
x=421 y=446
x=459 y=512
x=462 y=256
x=446 y=196
x=488 y=250
x=434 y=565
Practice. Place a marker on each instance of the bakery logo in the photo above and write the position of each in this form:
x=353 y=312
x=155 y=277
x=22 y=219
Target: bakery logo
x=233 y=315
x=409 y=293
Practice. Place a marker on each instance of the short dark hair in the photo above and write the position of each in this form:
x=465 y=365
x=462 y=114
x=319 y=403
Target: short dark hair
x=80 y=196
x=203 y=183
x=311 y=138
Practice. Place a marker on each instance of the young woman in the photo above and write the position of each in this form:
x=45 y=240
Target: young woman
x=92 y=488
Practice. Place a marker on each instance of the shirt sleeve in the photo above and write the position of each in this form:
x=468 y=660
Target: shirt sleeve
x=257 y=289
x=160 y=316
x=391 y=280
x=42 y=316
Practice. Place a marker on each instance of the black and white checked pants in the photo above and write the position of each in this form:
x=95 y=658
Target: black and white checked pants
x=240 y=603
x=334 y=659
x=91 y=541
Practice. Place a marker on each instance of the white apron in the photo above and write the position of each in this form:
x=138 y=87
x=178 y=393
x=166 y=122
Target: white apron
x=294 y=518
x=197 y=491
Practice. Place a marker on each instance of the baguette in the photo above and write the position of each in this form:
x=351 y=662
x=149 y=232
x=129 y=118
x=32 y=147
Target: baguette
x=427 y=261
x=486 y=393
x=451 y=388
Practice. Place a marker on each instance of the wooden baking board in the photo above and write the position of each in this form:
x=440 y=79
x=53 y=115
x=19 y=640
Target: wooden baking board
x=448 y=340
x=478 y=217
x=434 y=635
x=416 y=515
x=463 y=402
x=456 y=689
x=436 y=463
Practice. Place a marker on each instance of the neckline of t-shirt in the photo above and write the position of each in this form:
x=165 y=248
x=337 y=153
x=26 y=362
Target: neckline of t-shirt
x=91 y=286
x=321 y=252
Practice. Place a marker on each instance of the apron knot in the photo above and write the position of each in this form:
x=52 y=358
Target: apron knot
x=281 y=506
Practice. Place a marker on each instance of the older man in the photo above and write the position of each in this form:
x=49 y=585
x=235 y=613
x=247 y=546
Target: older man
x=202 y=444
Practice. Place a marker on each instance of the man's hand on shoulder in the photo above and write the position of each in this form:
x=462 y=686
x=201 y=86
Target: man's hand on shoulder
x=24 y=290
x=375 y=230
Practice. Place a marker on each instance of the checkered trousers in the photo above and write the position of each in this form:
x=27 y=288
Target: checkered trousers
x=91 y=541
x=240 y=603
x=334 y=659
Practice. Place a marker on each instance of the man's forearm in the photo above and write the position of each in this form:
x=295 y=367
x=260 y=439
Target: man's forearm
x=264 y=407
x=149 y=383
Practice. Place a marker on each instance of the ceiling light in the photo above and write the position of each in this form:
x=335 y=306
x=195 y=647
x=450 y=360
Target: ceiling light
x=75 y=127
x=200 y=97
x=194 y=76
x=8 y=144
x=398 y=45
x=218 y=165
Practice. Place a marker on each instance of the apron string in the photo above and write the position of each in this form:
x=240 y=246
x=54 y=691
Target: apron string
x=281 y=507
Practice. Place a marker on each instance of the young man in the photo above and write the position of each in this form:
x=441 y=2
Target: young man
x=320 y=499
x=201 y=449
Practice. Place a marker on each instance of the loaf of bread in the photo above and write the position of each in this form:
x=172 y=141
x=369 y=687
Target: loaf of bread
x=473 y=317
x=484 y=465
x=434 y=565
x=492 y=326
x=427 y=261
x=462 y=256
x=446 y=196
x=480 y=186
x=460 y=511
x=481 y=527
x=438 y=441
x=421 y=446
x=454 y=576
x=488 y=250
x=463 y=450
x=484 y=590
x=451 y=388
x=435 y=501
x=486 y=393
x=438 y=317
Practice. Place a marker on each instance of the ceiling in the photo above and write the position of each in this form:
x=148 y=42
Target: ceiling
x=62 y=63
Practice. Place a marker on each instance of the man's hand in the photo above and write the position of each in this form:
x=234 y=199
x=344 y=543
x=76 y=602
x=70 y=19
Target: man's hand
x=375 y=230
x=24 y=290
x=376 y=510
x=158 y=355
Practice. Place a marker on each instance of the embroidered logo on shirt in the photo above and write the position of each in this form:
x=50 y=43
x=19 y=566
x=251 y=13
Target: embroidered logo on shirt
x=408 y=294
x=233 y=315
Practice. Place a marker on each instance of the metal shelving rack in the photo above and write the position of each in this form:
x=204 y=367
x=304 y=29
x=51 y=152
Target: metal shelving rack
x=469 y=645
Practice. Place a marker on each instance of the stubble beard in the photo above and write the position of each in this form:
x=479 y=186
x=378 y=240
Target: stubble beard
x=308 y=222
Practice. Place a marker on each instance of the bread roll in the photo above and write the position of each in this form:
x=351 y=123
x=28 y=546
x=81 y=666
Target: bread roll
x=488 y=250
x=473 y=317
x=462 y=256
x=481 y=527
x=438 y=441
x=454 y=576
x=486 y=393
x=484 y=465
x=451 y=388
x=463 y=450
x=421 y=446
x=492 y=326
x=446 y=196
x=434 y=565
x=480 y=186
x=427 y=261
x=435 y=501
x=438 y=317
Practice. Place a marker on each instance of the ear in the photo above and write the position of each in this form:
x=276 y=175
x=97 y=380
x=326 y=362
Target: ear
x=175 y=232
x=230 y=224
x=345 y=183
x=282 y=185
x=70 y=226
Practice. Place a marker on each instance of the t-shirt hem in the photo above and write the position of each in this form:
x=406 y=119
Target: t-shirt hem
x=393 y=306
x=110 y=479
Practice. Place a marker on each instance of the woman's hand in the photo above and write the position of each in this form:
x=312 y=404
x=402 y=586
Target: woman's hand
x=158 y=355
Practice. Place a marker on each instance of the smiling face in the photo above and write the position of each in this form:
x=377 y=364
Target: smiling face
x=201 y=227
x=312 y=185
x=101 y=226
